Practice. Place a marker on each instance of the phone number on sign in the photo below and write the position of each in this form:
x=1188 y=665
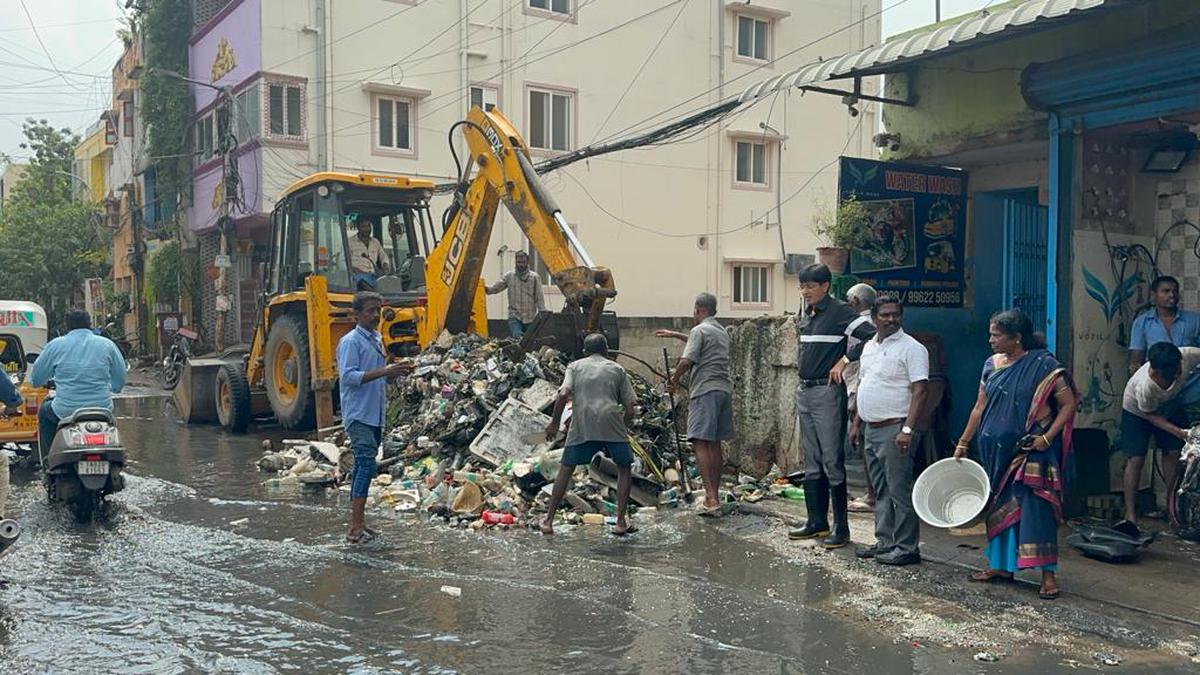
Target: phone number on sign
x=928 y=298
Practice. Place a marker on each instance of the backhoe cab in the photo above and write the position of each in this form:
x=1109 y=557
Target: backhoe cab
x=429 y=279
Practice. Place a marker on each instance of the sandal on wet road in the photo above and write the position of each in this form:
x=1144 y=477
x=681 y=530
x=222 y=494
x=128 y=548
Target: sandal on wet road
x=629 y=529
x=362 y=536
x=990 y=576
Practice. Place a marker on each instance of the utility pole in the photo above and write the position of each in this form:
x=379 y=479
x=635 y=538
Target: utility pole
x=228 y=197
x=937 y=11
x=227 y=148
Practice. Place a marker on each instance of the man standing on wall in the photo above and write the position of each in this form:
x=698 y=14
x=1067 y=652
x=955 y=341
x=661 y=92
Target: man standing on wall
x=861 y=298
x=895 y=378
x=362 y=379
x=825 y=327
x=710 y=405
x=525 y=297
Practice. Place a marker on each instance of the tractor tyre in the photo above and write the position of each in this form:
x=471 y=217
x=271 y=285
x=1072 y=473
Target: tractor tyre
x=289 y=374
x=233 y=398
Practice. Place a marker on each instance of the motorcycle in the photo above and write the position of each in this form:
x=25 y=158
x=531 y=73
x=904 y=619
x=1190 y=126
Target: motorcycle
x=85 y=462
x=1183 y=499
x=181 y=351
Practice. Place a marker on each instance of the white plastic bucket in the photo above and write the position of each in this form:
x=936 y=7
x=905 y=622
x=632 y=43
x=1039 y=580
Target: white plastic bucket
x=951 y=492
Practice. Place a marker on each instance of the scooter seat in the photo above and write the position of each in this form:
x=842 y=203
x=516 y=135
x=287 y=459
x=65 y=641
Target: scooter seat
x=88 y=415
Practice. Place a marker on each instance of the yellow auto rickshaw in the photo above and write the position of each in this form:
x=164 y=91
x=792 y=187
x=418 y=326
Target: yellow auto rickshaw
x=23 y=332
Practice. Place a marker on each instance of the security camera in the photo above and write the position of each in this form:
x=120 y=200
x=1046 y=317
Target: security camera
x=889 y=141
x=851 y=103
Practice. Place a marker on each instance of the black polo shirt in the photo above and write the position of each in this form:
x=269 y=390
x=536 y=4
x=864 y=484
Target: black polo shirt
x=824 y=328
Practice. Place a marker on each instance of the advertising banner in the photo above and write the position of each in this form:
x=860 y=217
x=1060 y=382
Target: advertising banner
x=915 y=230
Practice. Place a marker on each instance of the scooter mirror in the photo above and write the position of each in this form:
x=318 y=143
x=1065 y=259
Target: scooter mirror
x=30 y=358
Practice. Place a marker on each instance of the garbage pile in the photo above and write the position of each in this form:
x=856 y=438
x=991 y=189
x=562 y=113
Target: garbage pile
x=465 y=442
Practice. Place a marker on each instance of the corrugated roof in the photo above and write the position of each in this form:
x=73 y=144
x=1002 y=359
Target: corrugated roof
x=923 y=43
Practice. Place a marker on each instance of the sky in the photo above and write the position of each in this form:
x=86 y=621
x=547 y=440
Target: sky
x=68 y=82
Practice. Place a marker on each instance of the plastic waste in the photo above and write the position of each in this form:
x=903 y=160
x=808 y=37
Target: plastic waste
x=497 y=518
x=793 y=493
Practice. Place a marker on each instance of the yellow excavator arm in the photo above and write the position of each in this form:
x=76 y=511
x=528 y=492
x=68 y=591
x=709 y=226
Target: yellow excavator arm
x=504 y=173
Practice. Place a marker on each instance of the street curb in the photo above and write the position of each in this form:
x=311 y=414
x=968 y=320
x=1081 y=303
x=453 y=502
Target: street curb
x=791 y=521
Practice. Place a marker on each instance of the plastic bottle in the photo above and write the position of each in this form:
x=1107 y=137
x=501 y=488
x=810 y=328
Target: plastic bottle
x=497 y=518
x=792 y=492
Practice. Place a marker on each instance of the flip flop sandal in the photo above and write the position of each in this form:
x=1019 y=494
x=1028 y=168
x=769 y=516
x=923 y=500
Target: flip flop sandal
x=989 y=577
x=629 y=529
x=709 y=511
x=362 y=537
x=1048 y=595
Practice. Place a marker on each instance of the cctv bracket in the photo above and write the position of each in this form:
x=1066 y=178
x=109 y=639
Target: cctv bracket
x=909 y=101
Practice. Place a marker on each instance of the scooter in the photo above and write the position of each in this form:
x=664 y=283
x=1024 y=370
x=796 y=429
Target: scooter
x=85 y=462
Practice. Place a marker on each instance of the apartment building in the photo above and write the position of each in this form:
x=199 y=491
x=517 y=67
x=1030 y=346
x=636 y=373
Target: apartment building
x=375 y=85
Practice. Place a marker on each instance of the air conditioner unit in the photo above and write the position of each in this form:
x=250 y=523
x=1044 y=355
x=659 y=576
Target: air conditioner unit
x=794 y=262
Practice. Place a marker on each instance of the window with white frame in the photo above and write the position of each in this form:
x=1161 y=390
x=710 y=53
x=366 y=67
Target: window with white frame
x=555 y=6
x=249 y=120
x=751 y=284
x=550 y=119
x=750 y=163
x=394 y=124
x=205 y=133
x=753 y=37
x=285 y=110
x=484 y=96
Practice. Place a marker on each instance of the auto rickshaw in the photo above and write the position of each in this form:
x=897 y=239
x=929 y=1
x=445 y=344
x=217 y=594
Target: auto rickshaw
x=23 y=332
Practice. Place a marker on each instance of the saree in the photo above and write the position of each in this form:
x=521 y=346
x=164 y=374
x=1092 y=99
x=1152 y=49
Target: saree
x=1025 y=509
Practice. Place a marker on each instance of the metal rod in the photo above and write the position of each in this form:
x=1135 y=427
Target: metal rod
x=683 y=476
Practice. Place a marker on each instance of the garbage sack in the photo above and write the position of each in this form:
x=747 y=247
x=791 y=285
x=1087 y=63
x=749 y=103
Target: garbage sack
x=469 y=500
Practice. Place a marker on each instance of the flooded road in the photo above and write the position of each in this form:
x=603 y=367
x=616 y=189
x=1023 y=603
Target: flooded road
x=204 y=569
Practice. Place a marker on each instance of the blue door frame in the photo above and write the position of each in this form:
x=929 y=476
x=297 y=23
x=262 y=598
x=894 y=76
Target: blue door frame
x=1150 y=79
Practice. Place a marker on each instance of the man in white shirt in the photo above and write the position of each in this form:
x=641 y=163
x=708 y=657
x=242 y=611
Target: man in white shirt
x=1154 y=406
x=893 y=380
x=368 y=259
x=861 y=298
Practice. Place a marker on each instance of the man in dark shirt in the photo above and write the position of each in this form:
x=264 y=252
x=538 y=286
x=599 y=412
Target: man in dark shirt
x=825 y=326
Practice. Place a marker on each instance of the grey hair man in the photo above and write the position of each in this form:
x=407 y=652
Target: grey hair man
x=710 y=405
x=860 y=298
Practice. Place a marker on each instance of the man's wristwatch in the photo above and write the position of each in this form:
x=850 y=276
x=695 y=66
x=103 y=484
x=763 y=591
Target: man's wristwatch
x=906 y=430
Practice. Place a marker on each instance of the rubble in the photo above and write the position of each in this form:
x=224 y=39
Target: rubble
x=465 y=444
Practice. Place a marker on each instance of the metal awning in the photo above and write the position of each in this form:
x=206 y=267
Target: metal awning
x=970 y=30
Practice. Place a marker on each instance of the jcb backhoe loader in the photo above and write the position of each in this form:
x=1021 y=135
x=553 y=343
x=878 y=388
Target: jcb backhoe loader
x=432 y=283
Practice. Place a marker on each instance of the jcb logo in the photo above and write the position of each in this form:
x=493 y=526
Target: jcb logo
x=457 y=244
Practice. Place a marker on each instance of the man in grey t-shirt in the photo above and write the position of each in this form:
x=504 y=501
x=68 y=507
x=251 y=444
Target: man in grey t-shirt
x=602 y=409
x=710 y=408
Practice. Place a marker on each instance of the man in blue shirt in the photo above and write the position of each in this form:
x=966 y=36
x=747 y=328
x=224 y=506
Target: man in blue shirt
x=363 y=374
x=87 y=370
x=1164 y=321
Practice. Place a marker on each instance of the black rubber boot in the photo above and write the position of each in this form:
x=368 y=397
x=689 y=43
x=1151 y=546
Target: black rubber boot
x=841 y=523
x=816 y=501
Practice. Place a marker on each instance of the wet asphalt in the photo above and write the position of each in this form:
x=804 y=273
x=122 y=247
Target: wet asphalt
x=201 y=568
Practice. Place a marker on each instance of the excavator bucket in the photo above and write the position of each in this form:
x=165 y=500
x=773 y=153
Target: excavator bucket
x=564 y=331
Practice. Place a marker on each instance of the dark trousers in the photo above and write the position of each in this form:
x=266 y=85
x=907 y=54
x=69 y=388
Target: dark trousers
x=822 y=413
x=897 y=527
x=47 y=427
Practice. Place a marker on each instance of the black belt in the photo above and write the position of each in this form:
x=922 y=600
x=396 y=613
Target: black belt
x=809 y=384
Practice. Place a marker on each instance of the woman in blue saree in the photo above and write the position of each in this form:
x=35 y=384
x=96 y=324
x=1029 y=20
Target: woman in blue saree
x=1024 y=416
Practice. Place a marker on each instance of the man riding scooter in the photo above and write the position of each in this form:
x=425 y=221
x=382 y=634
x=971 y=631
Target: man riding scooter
x=87 y=370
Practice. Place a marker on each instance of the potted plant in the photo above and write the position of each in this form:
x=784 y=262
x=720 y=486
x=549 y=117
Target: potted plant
x=842 y=228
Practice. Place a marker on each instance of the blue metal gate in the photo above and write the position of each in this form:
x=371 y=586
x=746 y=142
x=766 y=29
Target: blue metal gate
x=1025 y=259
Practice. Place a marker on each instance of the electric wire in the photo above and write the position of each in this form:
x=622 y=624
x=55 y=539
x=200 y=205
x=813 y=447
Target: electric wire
x=45 y=51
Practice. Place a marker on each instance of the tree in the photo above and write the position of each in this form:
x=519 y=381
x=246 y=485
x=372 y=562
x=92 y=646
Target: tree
x=49 y=242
